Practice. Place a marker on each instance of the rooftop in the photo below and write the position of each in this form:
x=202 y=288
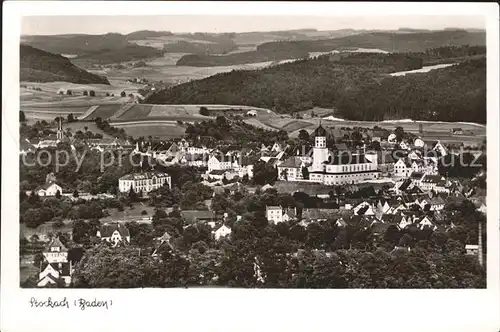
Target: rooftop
x=144 y=176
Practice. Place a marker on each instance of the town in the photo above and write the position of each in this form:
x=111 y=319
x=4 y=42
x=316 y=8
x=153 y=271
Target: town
x=368 y=207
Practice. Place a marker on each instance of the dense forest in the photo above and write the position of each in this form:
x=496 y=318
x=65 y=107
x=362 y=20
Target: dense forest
x=357 y=85
x=457 y=93
x=40 y=66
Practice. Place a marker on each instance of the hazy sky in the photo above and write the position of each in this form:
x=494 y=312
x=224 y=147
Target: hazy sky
x=49 y=25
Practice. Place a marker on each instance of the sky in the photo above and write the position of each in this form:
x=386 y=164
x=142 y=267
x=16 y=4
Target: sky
x=50 y=25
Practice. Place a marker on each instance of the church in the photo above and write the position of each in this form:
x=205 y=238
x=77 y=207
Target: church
x=330 y=167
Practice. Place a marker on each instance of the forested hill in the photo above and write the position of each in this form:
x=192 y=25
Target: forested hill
x=387 y=41
x=41 y=66
x=357 y=86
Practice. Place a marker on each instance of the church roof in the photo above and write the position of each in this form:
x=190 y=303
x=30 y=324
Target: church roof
x=320 y=131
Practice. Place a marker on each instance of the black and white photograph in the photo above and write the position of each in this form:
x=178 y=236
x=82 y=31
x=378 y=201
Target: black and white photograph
x=252 y=152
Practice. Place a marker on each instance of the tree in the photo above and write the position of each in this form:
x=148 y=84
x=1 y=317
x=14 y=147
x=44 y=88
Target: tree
x=92 y=93
x=71 y=118
x=58 y=194
x=305 y=173
x=132 y=195
x=303 y=135
x=85 y=128
x=399 y=133
x=85 y=93
x=75 y=194
x=69 y=92
x=204 y=111
x=22 y=116
x=123 y=94
x=221 y=121
x=107 y=94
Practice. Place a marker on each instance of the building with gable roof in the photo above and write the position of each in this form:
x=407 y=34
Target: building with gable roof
x=222 y=232
x=48 y=189
x=55 y=269
x=114 y=233
x=144 y=182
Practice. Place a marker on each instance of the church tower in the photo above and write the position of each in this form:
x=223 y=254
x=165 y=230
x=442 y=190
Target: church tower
x=320 y=151
x=60 y=133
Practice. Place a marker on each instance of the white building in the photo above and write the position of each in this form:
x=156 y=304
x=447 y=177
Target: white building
x=402 y=168
x=332 y=168
x=274 y=214
x=439 y=147
x=223 y=231
x=114 y=233
x=218 y=162
x=48 y=189
x=146 y=182
x=436 y=183
x=292 y=169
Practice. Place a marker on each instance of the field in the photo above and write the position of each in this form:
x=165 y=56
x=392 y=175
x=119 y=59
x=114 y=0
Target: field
x=158 y=131
x=136 y=112
x=164 y=69
x=103 y=112
x=129 y=214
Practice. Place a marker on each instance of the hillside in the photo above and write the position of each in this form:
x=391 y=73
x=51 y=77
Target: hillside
x=387 y=41
x=41 y=66
x=101 y=49
x=130 y=52
x=77 y=44
x=350 y=84
x=197 y=60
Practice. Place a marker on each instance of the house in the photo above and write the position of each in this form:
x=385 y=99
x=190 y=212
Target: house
x=114 y=233
x=223 y=231
x=55 y=269
x=457 y=131
x=364 y=208
x=436 y=183
x=48 y=189
x=274 y=214
x=26 y=147
x=472 y=249
x=252 y=113
x=144 y=182
x=434 y=203
x=164 y=240
x=440 y=148
x=195 y=216
x=218 y=162
x=418 y=143
x=402 y=168
x=425 y=222
x=392 y=138
x=291 y=169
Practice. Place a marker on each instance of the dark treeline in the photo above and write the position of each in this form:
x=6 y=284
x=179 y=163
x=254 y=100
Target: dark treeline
x=457 y=93
x=355 y=85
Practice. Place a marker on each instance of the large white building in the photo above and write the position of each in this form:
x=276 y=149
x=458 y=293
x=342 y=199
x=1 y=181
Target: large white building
x=342 y=167
x=144 y=182
x=329 y=167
